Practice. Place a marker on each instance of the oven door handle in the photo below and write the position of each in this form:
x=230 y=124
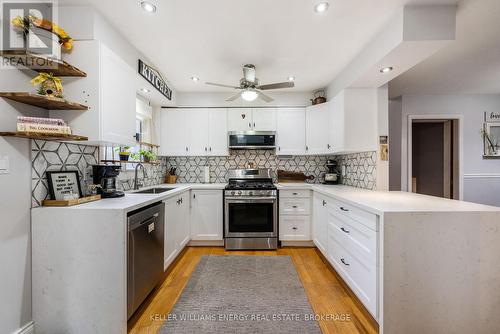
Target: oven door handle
x=251 y=200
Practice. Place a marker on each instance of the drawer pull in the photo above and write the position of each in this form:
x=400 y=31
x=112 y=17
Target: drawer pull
x=295 y=194
x=343 y=209
x=344 y=230
x=345 y=263
x=324 y=202
x=294 y=206
x=294 y=228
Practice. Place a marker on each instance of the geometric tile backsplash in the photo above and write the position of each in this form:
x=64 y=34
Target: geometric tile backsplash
x=54 y=156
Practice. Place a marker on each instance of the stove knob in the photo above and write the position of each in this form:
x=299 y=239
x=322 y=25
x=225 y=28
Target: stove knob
x=239 y=192
x=250 y=193
x=232 y=192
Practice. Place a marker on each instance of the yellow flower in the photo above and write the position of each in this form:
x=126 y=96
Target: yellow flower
x=18 y=22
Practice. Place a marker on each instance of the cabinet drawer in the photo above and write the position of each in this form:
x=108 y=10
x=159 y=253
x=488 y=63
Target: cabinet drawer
x=362 y=279
x=366 y=218
x=356 y=238
x=296 y=206
x=294 y=228
x=304 y=193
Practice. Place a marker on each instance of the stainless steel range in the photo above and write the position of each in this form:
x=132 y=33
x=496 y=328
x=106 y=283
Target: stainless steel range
x=250 y=210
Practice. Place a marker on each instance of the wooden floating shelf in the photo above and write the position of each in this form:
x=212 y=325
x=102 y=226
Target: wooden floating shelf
x=43 y=101
x=44 y=136
x=39 y=63
x=130 y=162
x=148 y=144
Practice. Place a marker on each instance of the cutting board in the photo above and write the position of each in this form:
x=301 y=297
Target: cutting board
x=286 y=176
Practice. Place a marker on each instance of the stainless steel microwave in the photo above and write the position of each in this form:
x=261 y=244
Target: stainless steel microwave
x=252 y=140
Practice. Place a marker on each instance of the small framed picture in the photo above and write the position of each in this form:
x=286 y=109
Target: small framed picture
x=63 y=184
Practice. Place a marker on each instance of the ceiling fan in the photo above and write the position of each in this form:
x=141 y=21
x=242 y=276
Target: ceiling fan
x=249 y=86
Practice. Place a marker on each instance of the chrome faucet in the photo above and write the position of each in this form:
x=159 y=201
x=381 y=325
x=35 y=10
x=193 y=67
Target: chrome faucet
x=136 y=181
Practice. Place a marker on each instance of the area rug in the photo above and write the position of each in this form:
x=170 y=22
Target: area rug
x=242 y=294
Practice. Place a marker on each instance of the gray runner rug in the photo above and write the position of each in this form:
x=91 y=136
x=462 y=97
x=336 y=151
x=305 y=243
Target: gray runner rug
x=242 y=294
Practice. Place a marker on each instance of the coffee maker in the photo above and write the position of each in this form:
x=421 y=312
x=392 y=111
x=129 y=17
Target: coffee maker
x=105 y=175
x=332 y=176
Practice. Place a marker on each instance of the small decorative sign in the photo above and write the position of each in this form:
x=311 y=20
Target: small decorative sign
x=64 y=185
x=493 y=116
x=154 y=78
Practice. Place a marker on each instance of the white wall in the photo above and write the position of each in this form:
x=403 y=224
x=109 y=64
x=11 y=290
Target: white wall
x=481 y=177
x=15 y=204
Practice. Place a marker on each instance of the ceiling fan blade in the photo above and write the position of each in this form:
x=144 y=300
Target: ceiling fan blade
x=286 y=84
x=234 y=97
x=220 y=85
x=265 y=97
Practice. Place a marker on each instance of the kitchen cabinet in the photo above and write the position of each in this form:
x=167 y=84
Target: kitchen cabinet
x=318 y=129
x=256 y=119
x=319 y=222
x=177 y=227
x=295 y=215
x=193 y=132
x=109 y=91
x=353 y=121
x=206 y=215
x=291 y=131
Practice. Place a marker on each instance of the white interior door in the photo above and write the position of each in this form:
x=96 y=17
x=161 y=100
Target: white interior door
x=291 y=131
x=239 y=119
x=264 y=119
x=197 y=125
x=217 y=123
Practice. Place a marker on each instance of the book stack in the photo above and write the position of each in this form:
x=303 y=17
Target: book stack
x=42 y=125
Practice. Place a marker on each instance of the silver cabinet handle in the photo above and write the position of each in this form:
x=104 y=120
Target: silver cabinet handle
x=254 y=124
x=187 y=149
x=345 y=263
x=344 y=230
x=294 y=206
x=210 y=149
x=344 y=209
x=328 y=146
x=294 y=228
x=295 y=194
x=206 y=149
x=194 y=195
x=307 y=148
x=324 y=202
x=249 y=125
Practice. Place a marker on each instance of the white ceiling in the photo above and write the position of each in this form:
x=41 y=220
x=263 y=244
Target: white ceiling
x=213 y=39
x=469 y=65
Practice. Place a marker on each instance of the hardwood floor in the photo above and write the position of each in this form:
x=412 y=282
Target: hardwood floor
x=326 y=294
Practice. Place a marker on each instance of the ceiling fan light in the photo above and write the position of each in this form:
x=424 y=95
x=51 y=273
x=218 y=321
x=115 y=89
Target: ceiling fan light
x=249 y=95
x=148 y=6
x=321 y=6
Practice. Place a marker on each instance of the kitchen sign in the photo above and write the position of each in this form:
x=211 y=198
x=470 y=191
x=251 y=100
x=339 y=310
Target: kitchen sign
x=152 y=76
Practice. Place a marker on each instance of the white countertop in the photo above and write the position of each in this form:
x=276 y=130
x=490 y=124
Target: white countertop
x=379 y=202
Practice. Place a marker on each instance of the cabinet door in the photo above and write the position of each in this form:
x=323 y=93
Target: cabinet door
x=197 y=126
x=291 y=131
x=206 y=215
x=264 y=119
x=118 y=95
x=173 y=133
x=295 y=228
x=337 y=124
x=217 y=123
x=320 y=221
x=170 y=247
x=317 y=129
x=183 y=221
x=239 y=119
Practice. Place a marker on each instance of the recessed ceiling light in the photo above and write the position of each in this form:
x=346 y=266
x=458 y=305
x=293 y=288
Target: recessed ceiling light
x=386 y=69
x=195 y=78
x=145 y=90
x=249 y=95
x=291 y=78
x=148 y=6
x=321 y=6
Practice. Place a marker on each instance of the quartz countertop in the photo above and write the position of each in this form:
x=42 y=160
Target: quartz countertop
x=380 y=202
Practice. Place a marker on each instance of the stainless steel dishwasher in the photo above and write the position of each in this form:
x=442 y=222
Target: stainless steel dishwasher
x=145 y=253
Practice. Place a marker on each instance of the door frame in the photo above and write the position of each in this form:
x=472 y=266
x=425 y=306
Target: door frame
x=409 y=150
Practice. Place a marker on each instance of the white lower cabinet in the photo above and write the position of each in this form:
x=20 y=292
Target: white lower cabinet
x=319 y=219
x=294 y=227
x=206 y=215
x=177 y=231
x=295 y=215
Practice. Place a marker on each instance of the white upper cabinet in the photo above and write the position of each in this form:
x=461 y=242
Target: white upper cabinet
x=217 y=141
x=193 y=132
x=317 y=128
x=197 y=121
x=264 y=119
x=239 y=119
x=291 y=131
x=246 y=119
x=353 y=121
x=173 y=133
x=108 y=90
x=206 y=215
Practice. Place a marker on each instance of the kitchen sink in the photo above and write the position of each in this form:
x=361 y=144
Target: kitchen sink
x=153 y=191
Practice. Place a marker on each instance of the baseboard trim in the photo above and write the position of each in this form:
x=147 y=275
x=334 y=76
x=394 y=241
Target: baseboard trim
x=29 y=328
x=206 y=243
x=482 y=176
x=297 y=244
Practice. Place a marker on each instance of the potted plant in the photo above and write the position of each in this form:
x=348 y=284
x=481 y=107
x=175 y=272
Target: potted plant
x=148 y=156
x=123 y=152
